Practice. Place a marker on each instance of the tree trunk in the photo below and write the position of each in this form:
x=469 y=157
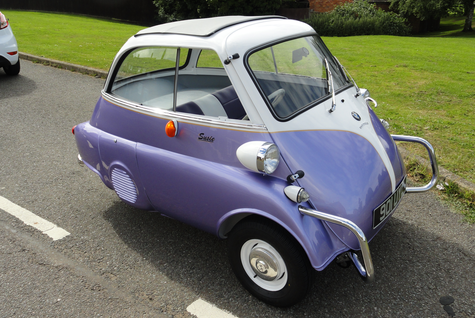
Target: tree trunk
x=469 y=7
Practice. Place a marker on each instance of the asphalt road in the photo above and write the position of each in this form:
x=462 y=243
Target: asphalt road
x=122 y=262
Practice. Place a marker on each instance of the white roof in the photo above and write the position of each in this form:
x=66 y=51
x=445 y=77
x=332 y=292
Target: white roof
x=201 y=27
x=226 y=35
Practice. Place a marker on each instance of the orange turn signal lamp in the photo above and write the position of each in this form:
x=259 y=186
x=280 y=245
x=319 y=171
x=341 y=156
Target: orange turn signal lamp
x=171 y=129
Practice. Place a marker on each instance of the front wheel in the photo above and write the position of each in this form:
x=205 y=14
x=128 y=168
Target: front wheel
x=269 y=263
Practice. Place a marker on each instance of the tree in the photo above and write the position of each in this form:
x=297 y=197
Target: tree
x=469 y=8
x=172 y=10
x=434 y=9
x=423 y=9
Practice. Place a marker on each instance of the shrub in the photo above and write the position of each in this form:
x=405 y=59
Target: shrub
x=358 y=18
x=172 y=10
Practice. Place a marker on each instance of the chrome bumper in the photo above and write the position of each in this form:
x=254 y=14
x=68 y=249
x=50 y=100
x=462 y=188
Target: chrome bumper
x=433 y=161
x=366 y=270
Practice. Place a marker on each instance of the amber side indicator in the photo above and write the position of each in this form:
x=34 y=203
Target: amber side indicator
x=171 y=128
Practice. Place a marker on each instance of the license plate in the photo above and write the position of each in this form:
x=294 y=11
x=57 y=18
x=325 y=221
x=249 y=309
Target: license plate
x=387 y=207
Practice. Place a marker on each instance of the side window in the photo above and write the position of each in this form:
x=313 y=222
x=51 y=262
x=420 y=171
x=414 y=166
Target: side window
x=148 y=76
x=208 y=91
x=209 y=58
x=149 y=59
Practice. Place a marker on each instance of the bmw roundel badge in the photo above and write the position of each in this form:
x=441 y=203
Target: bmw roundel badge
x=356 y=116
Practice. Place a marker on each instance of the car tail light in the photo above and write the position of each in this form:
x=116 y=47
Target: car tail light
x=3 y=21
x=72 y=130
x=12 y=53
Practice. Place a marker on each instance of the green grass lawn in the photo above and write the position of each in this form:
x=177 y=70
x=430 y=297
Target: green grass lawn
x=70 y=38
x=425 y=85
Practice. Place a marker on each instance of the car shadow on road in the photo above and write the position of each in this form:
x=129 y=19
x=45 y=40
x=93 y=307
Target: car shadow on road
x=413 y=267
x=13 y=86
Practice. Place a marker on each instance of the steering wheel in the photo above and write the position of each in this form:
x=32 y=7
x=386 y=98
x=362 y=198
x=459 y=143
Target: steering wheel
x=276 y=97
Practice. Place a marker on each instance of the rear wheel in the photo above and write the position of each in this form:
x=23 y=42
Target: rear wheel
x=12 y=69
x=269 y=263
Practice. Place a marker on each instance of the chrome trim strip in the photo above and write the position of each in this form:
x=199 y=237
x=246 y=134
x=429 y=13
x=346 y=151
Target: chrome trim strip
x=433 y=161
x=198 y=119
x=366 y=270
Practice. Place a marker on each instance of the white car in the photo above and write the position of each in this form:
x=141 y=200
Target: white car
x=9 y=58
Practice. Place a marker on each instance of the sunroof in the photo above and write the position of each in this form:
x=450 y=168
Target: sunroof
x=202 y=27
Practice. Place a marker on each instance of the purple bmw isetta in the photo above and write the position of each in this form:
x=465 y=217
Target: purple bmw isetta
x=250 y=129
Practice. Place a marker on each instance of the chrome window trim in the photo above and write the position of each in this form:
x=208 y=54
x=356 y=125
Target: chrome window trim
x=190 y=118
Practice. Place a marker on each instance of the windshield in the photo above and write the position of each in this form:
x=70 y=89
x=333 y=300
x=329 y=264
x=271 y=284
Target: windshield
x=292 y=75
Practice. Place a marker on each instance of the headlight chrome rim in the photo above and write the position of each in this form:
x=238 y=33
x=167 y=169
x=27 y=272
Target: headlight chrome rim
x=268 y=158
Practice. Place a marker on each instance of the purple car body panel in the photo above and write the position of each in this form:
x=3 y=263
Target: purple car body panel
x=346 y=186
x=198 y=195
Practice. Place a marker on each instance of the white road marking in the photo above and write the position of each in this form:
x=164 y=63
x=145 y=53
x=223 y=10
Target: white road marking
x=31 y=219
x=203 y=309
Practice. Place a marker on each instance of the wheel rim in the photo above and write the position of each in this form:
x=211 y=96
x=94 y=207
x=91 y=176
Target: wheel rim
x=264 y=265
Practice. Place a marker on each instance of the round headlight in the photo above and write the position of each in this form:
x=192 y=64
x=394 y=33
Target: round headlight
x=268 y=158
x=259 y=156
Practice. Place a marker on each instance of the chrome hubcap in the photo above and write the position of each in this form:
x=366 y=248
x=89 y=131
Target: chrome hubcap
x=264 y=263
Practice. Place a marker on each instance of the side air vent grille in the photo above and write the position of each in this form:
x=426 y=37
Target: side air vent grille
x=124 y=186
